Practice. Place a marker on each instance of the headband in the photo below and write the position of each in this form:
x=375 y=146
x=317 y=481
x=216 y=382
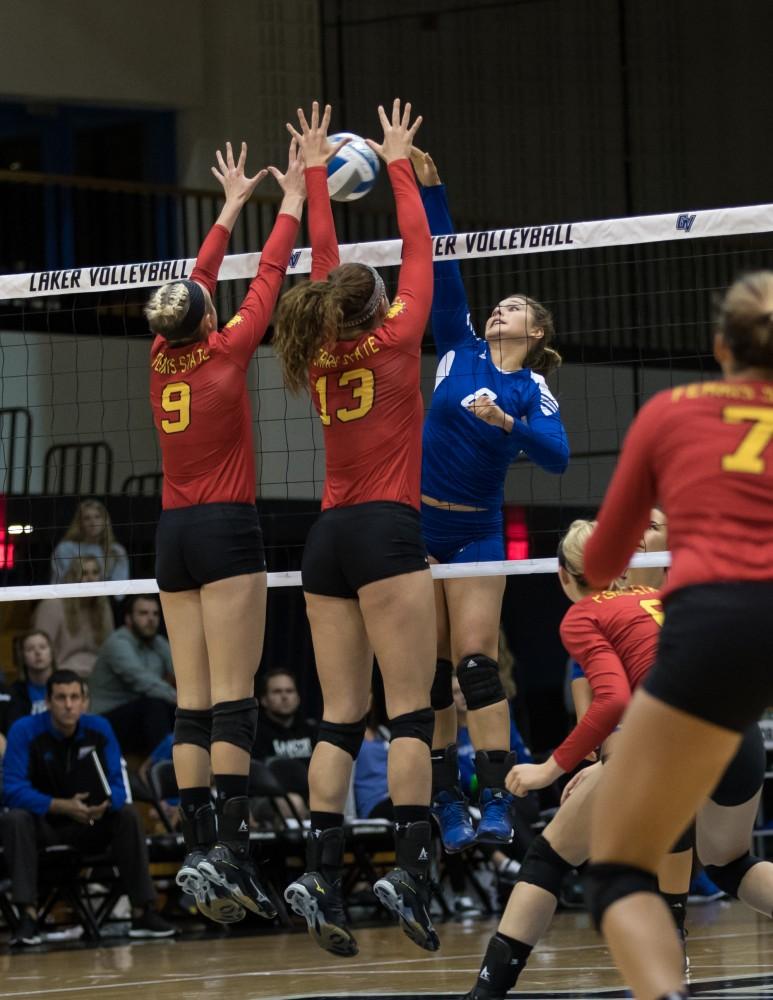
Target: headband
x=563 y=562
x=197 y=306
x=371 y=305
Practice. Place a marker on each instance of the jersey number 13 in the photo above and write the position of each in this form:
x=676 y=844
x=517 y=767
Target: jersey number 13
x=360 y=382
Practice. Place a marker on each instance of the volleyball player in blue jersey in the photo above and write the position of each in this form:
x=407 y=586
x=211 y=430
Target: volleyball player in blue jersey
x=490 y=404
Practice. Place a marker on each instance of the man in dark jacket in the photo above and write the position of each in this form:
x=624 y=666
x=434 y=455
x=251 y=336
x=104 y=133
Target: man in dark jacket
x=64 y=784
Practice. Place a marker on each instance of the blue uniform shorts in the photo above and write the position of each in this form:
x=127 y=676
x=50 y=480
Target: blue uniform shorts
x=462 y=536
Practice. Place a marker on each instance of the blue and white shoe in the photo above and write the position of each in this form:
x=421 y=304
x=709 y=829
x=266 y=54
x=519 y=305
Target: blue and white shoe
x=453 y=819
x=496 y=825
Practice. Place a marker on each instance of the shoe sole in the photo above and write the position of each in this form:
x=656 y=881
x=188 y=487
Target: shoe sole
x=424 y=936
x=215 y=908
x=330 y=937
x=493 y=838
x=152 y=934
x=261 y=906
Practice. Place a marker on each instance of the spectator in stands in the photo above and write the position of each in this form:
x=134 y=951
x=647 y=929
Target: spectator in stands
x=371 y=792
x=5 y=717
x=90 y=534
x=35 y=661
x=130 y=684
x=77 y=625
x=282 y=729
x=64 y=784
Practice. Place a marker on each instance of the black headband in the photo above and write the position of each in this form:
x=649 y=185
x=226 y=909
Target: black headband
x=197 y=306
x=371 y=305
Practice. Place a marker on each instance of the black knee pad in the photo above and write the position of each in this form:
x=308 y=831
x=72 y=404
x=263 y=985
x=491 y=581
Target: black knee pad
x=685 y=842
x=418 y=725
x=235 y=722
x=193 y=726
x=606 y=883
x=441 y=695
x=346 y=736
x=543 y=867
x=479 y=680
x=728 y=877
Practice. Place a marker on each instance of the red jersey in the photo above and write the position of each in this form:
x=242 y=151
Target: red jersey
x=614 y=637
x=704 y=453
x=367 y=391
x=199 y=392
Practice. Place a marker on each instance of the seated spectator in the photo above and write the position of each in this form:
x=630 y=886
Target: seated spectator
x=64 y=784
x=35 y=661
x=371 y=793
x=282 y=729
x=130 y=683
x=5 y=717
x=77 y=625
x=90 y=534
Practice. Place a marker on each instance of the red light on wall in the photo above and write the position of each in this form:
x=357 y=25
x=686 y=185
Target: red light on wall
x=516 y=533
x=6 y=551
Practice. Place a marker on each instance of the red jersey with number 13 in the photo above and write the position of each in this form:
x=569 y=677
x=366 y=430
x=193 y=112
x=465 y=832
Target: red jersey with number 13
x=199 y=392
x=704 y=453
x=367 y=391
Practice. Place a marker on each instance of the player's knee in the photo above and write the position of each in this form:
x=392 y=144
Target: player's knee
x=729 y=877
x=347 y=736
x=193 y=726
x=605 y=884
x=479 y=680
x=544 y=867
x=441 y=694
x=418 y=725
x=235 y=722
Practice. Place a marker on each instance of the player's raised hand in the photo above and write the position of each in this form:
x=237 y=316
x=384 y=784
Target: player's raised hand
x=292 y=180
x=312 y=139
x=238 y=187
x=398 y=133
x=426 y=171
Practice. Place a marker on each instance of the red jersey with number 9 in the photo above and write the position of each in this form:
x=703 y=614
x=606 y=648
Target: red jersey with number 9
x=367 y=391
x=199 y=392
x=704 y=453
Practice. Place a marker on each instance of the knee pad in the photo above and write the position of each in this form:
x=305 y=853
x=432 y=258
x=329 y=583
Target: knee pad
x=235 y=722
x=685 y=842
x=347 y=736
x=441 y=695
x=418 y=725
x=193 y=726
x=728 y=877
x=606 y=883
x=479 y=680
x=543 y=867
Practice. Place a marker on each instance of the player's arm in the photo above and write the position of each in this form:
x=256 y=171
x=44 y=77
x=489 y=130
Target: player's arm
x=408 y=317
x=248 y=326
x=317 y=152
x=450 y=309
x=629 y=498
x=238 y=188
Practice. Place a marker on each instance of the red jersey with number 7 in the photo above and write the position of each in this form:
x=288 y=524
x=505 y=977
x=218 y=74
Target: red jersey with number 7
x=704 y=453
x=199 y=392
x=367 y=391
x=614 y=637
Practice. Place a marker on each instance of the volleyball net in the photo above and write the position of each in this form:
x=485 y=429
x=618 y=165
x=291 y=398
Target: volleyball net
x=632 y=303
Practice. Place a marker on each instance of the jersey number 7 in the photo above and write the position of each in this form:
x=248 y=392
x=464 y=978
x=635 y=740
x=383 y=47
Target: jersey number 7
x=747 y=457
x=362 y=385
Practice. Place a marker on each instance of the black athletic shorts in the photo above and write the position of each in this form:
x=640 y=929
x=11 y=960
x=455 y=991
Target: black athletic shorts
x=349 y=547
x=715 y=657
x=205 y=543
x=745 y=773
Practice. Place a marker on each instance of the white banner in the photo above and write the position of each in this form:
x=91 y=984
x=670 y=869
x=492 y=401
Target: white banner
x=386 y=253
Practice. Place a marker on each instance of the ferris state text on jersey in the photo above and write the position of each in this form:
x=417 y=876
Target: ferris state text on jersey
x=165 y=365
x=367 y=347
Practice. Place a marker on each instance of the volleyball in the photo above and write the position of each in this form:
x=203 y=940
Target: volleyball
x=353 y=170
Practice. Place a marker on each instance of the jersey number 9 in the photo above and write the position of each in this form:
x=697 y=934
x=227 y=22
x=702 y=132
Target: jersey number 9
x=176 y=400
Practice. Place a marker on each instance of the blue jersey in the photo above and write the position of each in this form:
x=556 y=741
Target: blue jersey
x=465 y=460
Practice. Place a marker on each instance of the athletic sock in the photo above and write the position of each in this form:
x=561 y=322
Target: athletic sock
x=320 y=821
x=192 y=799
x=677 y=904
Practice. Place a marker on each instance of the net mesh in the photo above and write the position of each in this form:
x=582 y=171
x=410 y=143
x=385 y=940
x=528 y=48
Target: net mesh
x=632 y=305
